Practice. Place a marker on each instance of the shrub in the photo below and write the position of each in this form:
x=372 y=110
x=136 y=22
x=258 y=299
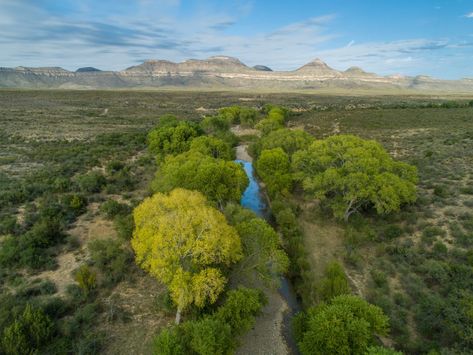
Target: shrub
x=334 y=283
x=86 y=279
x=111 y=258
x=392 y=231
x=112 y=208
x=91 y=182
x=28 y=332
x=124 y=225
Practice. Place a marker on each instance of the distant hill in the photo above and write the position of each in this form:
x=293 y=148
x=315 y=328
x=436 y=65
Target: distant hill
x=225 y=73
x=262 y=68
x=87 y=69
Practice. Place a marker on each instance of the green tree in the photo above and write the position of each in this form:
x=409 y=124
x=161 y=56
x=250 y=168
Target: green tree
x=215 y=124
x=351 y=173
x=240 y=309
x=221 y=181
x=181 y=240
x=346 y=325
x=210 y=336
x=334 y=283
x=213 y=147
x=172 y=138
x=28 y=332
x=273 y=167
x=290 y=140
x=216 y=333
x=263 y=255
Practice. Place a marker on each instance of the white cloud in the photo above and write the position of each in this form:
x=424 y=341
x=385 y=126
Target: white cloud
x=91 y=35
x=470 y=15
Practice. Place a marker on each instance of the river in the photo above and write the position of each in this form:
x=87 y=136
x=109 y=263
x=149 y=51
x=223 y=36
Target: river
x=272 y=333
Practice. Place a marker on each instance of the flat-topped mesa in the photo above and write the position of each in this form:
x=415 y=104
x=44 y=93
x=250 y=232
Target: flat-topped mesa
x=217 y=64
x=45 y=71
x=88 y=70
x=319 y=68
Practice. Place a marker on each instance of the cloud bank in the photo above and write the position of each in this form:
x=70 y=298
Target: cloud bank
x=87 y=33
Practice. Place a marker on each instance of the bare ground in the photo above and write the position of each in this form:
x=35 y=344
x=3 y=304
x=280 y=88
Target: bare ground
x=266 y=337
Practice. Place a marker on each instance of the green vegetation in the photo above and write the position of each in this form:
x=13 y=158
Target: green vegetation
x=180 y=240
x=346 y=325
x=172 y=137
x=350 y=174
x=219 y=180
x=216 y=333
x=70 y=176
x=274 y=168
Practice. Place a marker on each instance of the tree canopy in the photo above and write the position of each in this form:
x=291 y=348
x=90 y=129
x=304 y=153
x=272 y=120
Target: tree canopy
x=290 y=140
x=351 y=173
x=274 y=168
x=172 y=137
x=213 y=147
x=347 y=325
x=181 y=240
x=263 y=255
x=221 y=181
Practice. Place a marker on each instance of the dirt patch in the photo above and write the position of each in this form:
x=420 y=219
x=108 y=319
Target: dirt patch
x=62 y=276
x=136 y=302
x=324 y=242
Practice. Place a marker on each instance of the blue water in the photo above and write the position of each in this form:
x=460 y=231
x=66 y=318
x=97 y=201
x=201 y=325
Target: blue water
x=252 y=198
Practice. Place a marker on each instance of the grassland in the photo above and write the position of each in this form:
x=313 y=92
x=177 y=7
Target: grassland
x=55 y=145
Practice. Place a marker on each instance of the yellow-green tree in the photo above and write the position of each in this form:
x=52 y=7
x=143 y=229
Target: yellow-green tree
x=181 y=240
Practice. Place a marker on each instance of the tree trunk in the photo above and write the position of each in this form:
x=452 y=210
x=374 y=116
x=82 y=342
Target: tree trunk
x=178 y=316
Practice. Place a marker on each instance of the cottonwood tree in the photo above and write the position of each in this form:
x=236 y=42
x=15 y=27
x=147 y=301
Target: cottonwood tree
x=182 y=241
x=219 y=180
x=263 y=255
x=290 y=140
x=274 y=168
x=172 y=136
x=347 y=325
x=213 y=147
x=350 y=173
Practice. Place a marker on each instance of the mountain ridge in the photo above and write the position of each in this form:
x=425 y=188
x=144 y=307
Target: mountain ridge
x=222 y=72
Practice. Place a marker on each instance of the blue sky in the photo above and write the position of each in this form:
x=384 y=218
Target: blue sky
x=431 y=37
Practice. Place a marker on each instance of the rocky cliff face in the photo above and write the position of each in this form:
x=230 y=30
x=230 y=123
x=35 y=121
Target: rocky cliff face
x=221 y=72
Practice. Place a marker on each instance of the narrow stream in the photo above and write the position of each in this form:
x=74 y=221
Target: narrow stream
x=254 y=199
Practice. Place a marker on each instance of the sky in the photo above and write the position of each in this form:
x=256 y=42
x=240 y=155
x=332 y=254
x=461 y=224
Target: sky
x=409 y=37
